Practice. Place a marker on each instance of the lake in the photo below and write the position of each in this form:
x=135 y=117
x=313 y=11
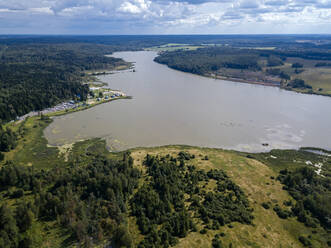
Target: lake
x=173 y=107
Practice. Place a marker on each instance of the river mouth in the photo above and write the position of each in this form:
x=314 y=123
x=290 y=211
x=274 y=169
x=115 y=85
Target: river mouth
x=172 y=107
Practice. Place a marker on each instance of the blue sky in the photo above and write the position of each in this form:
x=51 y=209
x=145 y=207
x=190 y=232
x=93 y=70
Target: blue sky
x=164 y=16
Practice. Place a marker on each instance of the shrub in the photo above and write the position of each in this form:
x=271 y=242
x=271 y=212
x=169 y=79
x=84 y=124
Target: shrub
x=265 y=205
x=284 y=214
x=18 y=193
x=297 y=65
x=216 y=243
x=305 y=241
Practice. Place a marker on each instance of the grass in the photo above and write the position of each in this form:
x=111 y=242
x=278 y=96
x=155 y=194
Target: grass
x=254 y=177
x=173 y=47
x=32 y=149
x=317 y=77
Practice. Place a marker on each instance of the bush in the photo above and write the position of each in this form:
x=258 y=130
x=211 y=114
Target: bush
x=305 y=241
x=122 y=238
x=216 y=243
x=184 y=156
x=297 y=65
x=288 y=203
x=299 y=83
x=283 y=214
x=18 y=193
x=284 y=75
x=274 y=61
x=265 y=205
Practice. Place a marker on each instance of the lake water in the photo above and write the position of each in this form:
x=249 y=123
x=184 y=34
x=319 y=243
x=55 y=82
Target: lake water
x=172 y=107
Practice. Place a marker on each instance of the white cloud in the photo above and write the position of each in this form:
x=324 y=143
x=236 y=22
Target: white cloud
x=171 y=16
x=130 y=8
x=45 y=10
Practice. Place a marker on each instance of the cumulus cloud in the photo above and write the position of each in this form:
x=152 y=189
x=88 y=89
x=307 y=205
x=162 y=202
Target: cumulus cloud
x=159 y=16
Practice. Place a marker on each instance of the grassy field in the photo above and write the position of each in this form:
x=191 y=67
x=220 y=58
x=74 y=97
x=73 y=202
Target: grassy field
x=173 y=47
x=255 y=173
x=32 y=148
x=318 y=77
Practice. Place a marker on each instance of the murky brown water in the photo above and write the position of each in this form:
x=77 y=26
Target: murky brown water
x=172 y=107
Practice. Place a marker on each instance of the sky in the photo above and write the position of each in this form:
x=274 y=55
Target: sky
x=165 y=16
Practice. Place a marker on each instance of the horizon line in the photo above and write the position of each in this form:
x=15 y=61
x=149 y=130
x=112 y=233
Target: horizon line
x=212 y=34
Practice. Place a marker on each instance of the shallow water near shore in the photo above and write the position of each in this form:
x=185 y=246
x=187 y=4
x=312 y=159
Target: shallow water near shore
x=172 y=107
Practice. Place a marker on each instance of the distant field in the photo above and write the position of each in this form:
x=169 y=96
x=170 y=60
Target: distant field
x=173 y=47
x=318 y=77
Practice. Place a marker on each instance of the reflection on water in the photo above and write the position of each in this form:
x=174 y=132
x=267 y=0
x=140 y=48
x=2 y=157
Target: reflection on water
x=172 y=107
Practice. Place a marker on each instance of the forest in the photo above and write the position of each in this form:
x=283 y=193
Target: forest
x=92 y=201
x=37 y=76
x=89 y=202
x=209 y=59
x=204 y=60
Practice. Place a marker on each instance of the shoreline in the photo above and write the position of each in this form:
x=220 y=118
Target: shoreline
x=95 y=85
x=239 y=80
x=70 y=111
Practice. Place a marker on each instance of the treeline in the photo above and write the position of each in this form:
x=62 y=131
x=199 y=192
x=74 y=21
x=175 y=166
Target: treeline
x=298 y=84
x=37 y=76
x=8 y=140
x=134 y=42
x=213 y=58
x=322 y=64
x=206 y=60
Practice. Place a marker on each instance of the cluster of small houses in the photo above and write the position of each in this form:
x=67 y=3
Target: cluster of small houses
x=107 y=97
x=60 y=107
x=70 y=105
